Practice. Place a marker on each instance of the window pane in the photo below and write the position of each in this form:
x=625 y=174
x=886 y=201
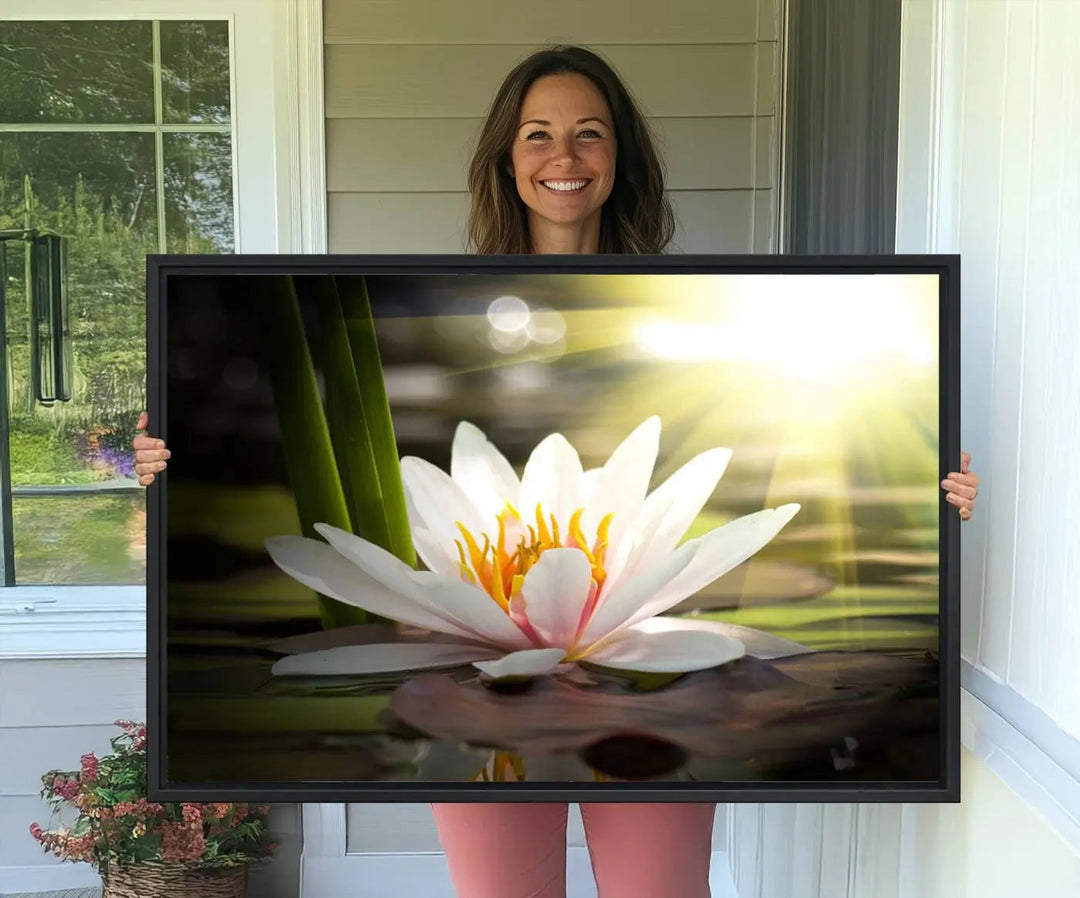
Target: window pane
x=99 y=191
x=195 y=71
x=76 y=517
x=79 y=183
x=198 y=193
x=81 y=540
x=100 y=72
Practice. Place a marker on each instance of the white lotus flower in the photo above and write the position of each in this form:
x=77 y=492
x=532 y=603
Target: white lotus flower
x=530 y=574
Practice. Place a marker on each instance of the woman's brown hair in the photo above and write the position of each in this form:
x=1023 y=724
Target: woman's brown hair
x=637 y=216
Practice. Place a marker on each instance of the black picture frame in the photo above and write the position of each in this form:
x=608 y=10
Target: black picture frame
x=947 y=789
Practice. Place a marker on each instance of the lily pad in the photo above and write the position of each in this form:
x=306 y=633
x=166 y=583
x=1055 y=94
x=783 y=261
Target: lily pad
x=749 y=712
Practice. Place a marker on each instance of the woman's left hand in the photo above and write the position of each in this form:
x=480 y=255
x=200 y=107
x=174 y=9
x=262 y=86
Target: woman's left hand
x=961 y=487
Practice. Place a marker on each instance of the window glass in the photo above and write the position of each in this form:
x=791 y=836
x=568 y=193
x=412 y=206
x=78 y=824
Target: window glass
x=151 y=181
x=85 y=72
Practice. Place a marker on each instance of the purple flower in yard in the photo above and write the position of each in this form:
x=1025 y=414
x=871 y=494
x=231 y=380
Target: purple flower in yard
x=109 y=461
x=119 y=461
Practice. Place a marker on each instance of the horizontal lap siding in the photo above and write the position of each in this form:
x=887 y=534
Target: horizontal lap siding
x=51 y=713
x=531 y=24
x=368 y=81
x=709 y=221
x=422 y=155
x=407 y=86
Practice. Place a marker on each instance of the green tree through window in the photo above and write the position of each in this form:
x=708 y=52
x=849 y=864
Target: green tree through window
x=118 y=136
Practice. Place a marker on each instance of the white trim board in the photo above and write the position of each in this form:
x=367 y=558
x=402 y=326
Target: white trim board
x=301 y=129
x=1040 y=776
x=72 y=622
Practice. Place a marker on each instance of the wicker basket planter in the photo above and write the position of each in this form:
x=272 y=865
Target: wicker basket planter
x=154 y=880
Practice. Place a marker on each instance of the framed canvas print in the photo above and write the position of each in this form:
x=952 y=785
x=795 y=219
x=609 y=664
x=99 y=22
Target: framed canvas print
x=554 y=528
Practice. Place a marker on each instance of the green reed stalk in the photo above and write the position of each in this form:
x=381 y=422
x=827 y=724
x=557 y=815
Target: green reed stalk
x=360 y=326
x=348 y=420
x=305 y=436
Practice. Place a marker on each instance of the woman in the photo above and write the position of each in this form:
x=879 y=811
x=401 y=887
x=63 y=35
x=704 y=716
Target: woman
x=565 y=164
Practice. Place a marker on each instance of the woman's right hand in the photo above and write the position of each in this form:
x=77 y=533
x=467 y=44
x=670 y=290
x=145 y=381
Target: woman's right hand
x=150 y=453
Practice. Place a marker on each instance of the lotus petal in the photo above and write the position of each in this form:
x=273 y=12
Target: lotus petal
x=354 y=660
x=468 y=606
x=472 y=608
x=438 y=502
x=553 y=478
x=666 y=651
x=716 y=553
x=667 y=513
x=527 y=663
x=319 y=566
x=440 y=557
x=758 y=643
x=482 y=470
x=620 y=486
x=631 y=595
x=363 y=634
x=555 y=591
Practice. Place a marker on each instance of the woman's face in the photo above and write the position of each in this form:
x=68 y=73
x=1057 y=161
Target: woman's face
x=563 y=155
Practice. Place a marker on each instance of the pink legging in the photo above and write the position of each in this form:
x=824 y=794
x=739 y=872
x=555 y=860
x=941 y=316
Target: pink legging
x=519 y=850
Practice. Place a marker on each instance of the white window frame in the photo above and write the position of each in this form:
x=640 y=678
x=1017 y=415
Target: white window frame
x=279 y=163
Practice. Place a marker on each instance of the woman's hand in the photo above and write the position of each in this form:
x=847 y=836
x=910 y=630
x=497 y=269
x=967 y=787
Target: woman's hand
x=150 y=453
x=961 y=487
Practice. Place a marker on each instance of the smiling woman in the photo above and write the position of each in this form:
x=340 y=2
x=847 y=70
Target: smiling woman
x=564 y=167
x=565 y=164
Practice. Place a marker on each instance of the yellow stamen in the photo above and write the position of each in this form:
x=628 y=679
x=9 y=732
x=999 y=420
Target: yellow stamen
x=501 y=573
x=515 y=584
x=603 y=527
x=501 y=545
x=541 y=527
x=480 y=565
x=579 y=537
x=600 y=549
x=463 y=563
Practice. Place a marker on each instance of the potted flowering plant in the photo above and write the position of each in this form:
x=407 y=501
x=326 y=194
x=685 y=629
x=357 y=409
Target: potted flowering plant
x=143 y=848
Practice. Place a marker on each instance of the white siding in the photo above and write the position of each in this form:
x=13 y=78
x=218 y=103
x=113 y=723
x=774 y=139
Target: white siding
x=407 y=86
x=497 y=22
x=51 y=713
x=1008 y=201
